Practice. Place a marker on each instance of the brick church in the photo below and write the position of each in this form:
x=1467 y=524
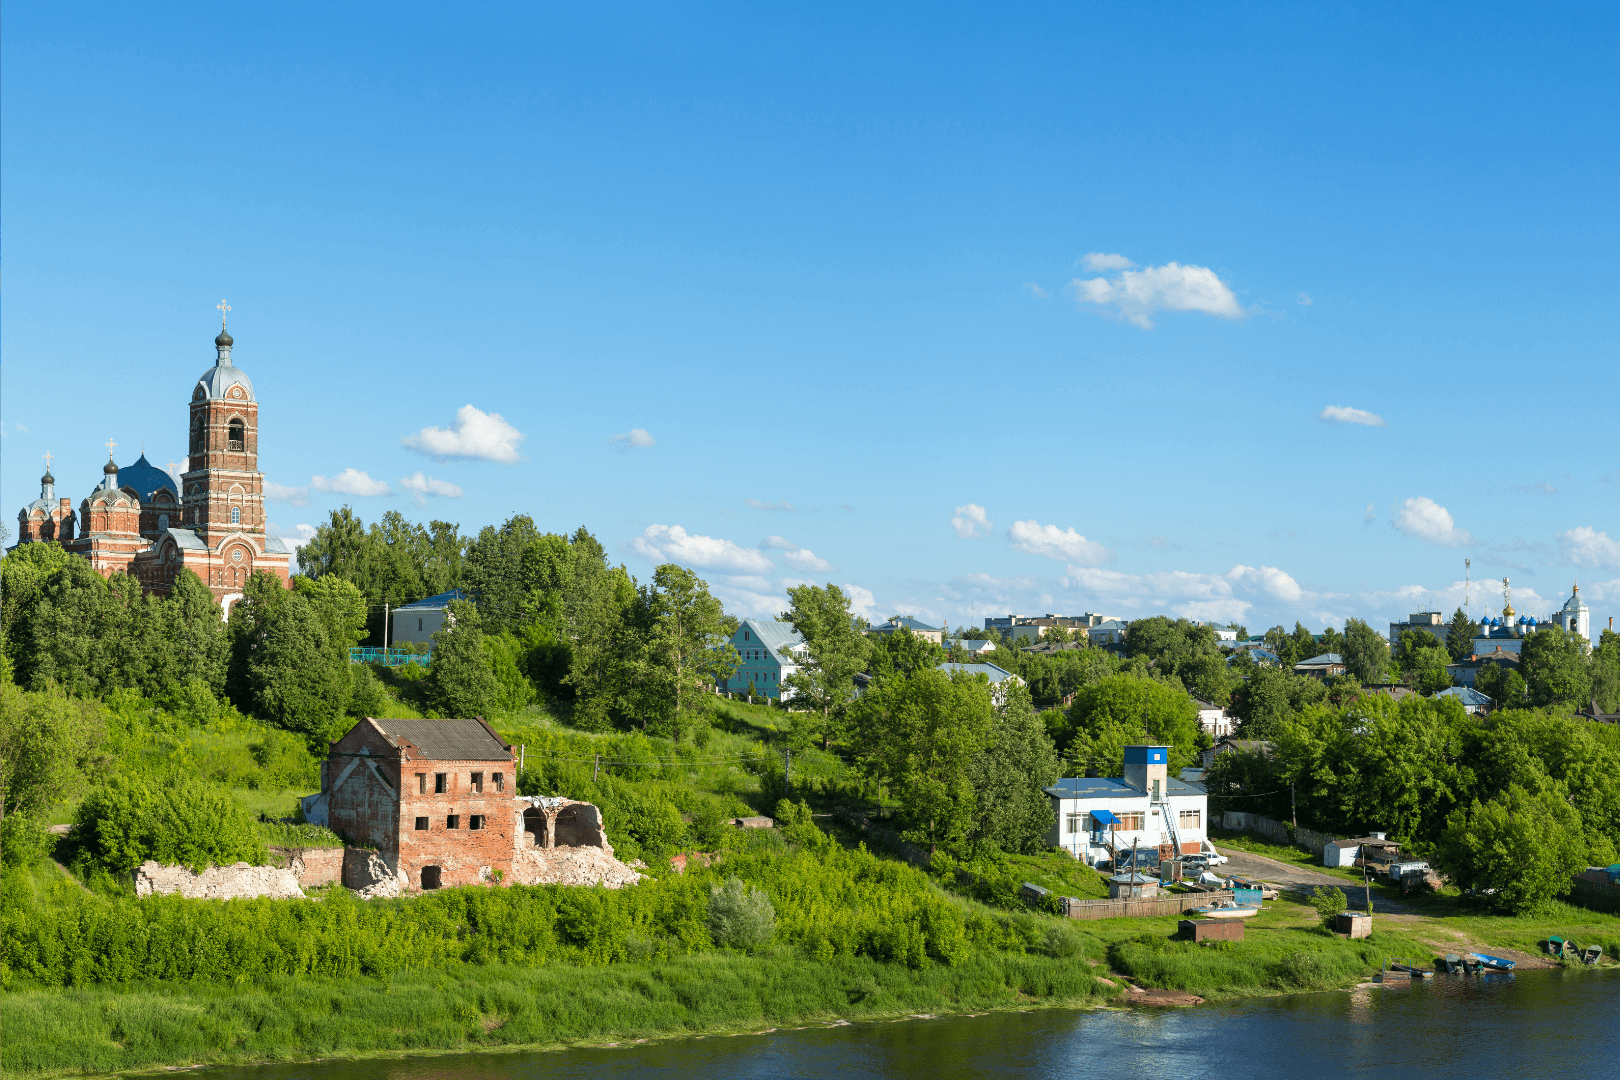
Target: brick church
x=137 y=521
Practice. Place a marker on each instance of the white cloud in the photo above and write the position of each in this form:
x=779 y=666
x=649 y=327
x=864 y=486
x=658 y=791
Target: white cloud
x=297 y=538
x=801 y=559
x=1264 y=581
x=766 y=504
x=1369 y=516
x=1036 y=291
x=671 y=543
x=298 y=496
x=1211 y=597
x=1171 y=287
x=1585 y=546
x=861 y=602
x=1304 y=299
x=1055 y=543
x=1424 y=519
x=1097 y=262
x=421 y=487
x=634 y=437
x=351 y=482
x=478 y=435
x=20 y=427
x=1344 y=414
x=970 y=521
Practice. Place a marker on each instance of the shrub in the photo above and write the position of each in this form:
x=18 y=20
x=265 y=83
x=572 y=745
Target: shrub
x=23 y=840
x=740 y=917
x=1328 y=900
x=181 y=821
x=1306 y=970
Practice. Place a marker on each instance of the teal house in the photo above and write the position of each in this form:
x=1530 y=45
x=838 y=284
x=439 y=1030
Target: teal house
x=769 y=650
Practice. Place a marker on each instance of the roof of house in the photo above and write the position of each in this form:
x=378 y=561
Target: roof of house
x=1111 y=624
x=1202 y=704
x=436 y=602
x=774 y=634
x=448 y=740
x=990 y=671
x=1465 y=694
x=914 y=625
x=1047 y=648
x=1324 y=660
x=1098 y=787
x=978 y=645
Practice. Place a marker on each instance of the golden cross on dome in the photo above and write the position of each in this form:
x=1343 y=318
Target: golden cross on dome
x=47 y=456
x=224 y=313
x=110 y=444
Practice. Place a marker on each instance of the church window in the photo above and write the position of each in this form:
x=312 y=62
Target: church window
x=236 y=515
x=235 y=440
x=163 y=522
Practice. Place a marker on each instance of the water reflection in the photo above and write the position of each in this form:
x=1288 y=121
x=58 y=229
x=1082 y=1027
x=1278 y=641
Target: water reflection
x=1536 y=1024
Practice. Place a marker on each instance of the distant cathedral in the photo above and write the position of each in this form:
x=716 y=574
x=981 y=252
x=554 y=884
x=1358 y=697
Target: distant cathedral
x=137 y=522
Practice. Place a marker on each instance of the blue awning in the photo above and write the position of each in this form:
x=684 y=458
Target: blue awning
x=1105 y=818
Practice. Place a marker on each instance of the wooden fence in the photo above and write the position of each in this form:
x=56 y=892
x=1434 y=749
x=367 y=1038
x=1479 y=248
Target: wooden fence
x=1592 y=890
x=1174 y=904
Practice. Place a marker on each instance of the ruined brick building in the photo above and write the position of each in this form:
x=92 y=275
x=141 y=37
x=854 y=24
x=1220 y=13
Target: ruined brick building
x=139 y=521
x=438 y=800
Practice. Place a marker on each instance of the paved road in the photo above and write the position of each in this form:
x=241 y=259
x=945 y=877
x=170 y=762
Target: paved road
x=1258 y=867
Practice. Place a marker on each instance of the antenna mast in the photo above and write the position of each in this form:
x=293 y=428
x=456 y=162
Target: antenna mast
x=1467 y=607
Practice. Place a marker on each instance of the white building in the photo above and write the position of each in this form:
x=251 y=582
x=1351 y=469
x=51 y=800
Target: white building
x=1213 y=719
x=1108 y=632
x=977 y=646
x=770 y=651
x=1000 y=678
x=1145 y=808
x=418 y=622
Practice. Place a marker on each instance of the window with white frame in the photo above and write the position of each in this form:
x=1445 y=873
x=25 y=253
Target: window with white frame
x=1076 y=823
x=1132 y=820
x=1190 y=819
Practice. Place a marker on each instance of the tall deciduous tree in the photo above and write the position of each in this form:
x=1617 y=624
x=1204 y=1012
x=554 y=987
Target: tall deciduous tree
x=920 y=735
x=902 y=653
x=1126 y=710
x=47 y=740
x=1606 y=672
x=1009 y=779
x=1365 y=652
x=1518 y=848
x=836 y=650
x=493 y=570
x=461 y=682
x=685 y=649
x=1556 y=668
x=284 y=667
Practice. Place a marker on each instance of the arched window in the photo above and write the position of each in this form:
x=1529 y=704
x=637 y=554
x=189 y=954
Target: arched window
x=235 y=441
x=236 y=515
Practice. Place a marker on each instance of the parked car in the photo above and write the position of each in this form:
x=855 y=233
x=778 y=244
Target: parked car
x=1215 y=858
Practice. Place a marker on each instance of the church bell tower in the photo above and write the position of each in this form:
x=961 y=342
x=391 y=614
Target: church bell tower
x=222 y=490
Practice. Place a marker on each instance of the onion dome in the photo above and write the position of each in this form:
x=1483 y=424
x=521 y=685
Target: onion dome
x=224 y=340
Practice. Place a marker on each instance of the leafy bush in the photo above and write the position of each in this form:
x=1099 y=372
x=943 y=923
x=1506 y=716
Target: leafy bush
x=1328 y=900
x=23 y=840
x=126 y=820
x=740 y=917
x=1304 y=969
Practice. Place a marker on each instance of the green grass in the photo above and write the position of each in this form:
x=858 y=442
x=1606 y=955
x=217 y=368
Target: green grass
x=281 y=1019
x=1061 y=873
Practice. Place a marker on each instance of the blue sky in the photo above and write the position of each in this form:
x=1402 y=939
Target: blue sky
x=1262 y=314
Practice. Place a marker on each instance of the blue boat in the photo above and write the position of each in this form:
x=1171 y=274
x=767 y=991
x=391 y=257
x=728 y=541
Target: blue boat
x=1492 y=963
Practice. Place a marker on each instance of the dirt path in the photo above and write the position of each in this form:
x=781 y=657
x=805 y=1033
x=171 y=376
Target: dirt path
x=1301 y=878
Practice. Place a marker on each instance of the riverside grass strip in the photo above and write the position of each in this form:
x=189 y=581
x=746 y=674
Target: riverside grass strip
x=103 y=1029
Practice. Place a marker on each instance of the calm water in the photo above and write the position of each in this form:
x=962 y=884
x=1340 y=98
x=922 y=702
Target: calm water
x=1535 y=1024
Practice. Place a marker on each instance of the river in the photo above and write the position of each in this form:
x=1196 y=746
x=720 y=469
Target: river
x=1533 y=1024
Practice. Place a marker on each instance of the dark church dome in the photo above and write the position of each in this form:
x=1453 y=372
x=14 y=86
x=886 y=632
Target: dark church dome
x=144 y=478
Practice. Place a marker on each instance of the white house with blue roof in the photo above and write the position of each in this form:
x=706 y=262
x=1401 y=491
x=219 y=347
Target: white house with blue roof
x=769 y=650
x=1000 y=678
x=1094 y=817
x=417 y=622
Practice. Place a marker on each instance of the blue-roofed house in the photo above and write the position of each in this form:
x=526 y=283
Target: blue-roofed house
x=1000 y=678
x=1471 y=699
x=1322 y=666
x=921 y=629
x=769 y=650
x=1094 y=817
x=417 y=622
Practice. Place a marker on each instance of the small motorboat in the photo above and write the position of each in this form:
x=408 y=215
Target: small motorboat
x=1492 y=963
x=1470 y=966
x=1555 y=945
x=1592 y=955
x=1452 y=963
x=1414 y=972
x=1224 y=911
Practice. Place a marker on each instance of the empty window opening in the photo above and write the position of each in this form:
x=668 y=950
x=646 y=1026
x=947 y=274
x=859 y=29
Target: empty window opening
x=534 y=823
x=430 y=877
x=440 y=783
x=452 y=821
x=418 y=626
x=500 y=781
x=476 y=821
x=478 y=781
x=235 y=440
x=421 y=783
x=421 y=824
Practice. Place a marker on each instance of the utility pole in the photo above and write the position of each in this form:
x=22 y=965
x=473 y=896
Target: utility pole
x=596 y=768
x=787 y=772
x=385 y=629
x=1293 y=803
x=1366 y=886
x=523 y=752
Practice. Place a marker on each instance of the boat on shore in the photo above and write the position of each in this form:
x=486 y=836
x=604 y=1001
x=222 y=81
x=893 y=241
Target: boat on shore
x=1492 y=963
x=1224 y=911
x=1450 y=963
x=1414 y=972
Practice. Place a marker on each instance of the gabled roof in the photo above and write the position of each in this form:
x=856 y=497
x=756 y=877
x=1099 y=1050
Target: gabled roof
x=187 y=540
x=436 y=602
x=1465 y=694
x=1322 y=661
x=991 y=671
x=914 y=625
x=775 y=635
x=445 y=740
x=1111 y=624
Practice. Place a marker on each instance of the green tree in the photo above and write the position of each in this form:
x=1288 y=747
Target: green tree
x=1126 y=710
x=1606 y=672
x=1009 y=779
x=1365 y=652
x=684 y=651
x=1270 y=697
x=174 y=820
x=1556 y=668
x=47 y=742
x=1518 y=849
x=283 y=665
x=902 y=653
x=492 y=570
x=460 y=681
x=920 y=735
x=1422 y=662
x=835 y=651
x=1503 y=685
x=1460 y=636
x=199 y=646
